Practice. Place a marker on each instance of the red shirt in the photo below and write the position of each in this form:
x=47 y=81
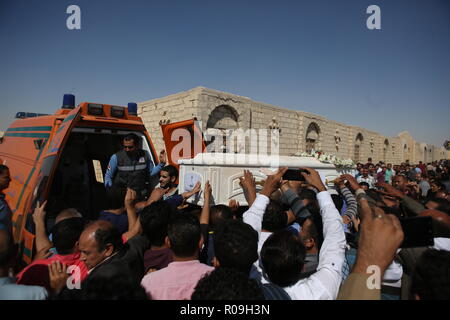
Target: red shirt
x=36 y=274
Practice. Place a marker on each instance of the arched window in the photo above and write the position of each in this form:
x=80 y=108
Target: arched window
x=312 y=137
x=357 y=150
x=220 y=121
x=223 y=117
x=385 y=149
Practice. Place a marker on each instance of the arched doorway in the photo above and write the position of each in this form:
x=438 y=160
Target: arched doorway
x=357 y=149
x=222 y=120
x=312 y=137
x=385 y=149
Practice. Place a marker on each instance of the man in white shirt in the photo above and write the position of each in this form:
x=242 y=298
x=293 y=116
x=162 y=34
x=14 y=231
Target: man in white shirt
x=323 y=284
x=365 y=177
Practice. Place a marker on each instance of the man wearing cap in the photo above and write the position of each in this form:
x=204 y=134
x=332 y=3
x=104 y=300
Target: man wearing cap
x=132 y=166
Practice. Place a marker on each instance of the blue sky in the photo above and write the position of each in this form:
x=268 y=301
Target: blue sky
x=316 y=56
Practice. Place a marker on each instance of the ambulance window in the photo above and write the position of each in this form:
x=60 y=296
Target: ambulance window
x=98 y=171
x=145 y=145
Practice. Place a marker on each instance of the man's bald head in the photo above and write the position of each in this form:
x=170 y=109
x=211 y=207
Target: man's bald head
x=99 y=240
x=67 y=214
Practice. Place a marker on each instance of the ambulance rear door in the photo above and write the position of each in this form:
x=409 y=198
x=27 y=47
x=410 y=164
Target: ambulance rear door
x=50 y=158
x=183 y=140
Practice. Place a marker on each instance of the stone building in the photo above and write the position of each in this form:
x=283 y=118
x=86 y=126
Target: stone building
x=298 y=131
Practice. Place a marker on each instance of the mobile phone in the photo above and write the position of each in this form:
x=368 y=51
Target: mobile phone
x=418 y=232
x=294 y=175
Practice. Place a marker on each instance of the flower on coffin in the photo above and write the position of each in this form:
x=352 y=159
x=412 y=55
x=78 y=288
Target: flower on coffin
x=328 y=158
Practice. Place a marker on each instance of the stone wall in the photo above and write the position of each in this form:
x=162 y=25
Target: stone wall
x=220 y=110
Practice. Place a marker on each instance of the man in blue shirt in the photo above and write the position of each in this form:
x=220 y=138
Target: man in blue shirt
x=132 y=167
x=5 y=211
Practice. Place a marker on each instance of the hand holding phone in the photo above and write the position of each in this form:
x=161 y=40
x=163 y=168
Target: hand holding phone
x=294 y=175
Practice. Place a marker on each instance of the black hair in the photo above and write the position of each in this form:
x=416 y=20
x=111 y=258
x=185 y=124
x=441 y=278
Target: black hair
x=171 y=170
x=219 y=213
x=184 y=234
x=315 y=229
x=66 y=234
x=108 y=235
x=274 y=218
x=115 y=197
x=374 y=194
x=236 y=245
x=431 y=276
x=134 y=137
x=338 y=202
x=283 y=256
x=362 y=184
x=307 y=194
x=313 y=205
x=3 y=168
x=440 y=185
x=112 y=283
x=404 y=178
x=154 y=220
x=227 y=284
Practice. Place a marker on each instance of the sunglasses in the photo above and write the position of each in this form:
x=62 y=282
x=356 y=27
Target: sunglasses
x=128 y=147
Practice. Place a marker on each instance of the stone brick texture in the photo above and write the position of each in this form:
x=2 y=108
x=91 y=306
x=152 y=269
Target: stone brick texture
x=222 y=110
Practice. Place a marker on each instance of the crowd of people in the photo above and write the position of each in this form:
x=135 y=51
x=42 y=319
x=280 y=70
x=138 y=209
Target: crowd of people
x=296 y=240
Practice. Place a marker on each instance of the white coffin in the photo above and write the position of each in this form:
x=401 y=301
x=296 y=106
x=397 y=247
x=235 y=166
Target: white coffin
x=223 y=171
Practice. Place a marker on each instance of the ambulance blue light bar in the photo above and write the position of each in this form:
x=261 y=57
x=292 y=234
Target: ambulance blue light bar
x=68 y=101
x=132 y=108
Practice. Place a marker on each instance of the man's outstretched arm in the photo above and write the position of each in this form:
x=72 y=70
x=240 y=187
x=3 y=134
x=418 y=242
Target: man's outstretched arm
x=111 y=171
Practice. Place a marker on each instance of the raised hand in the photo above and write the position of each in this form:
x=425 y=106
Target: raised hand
x=354 y=185
x=130 y=197
x=162 y=156
x=207 y=191
x=346 y=219
x=248 y=184
x=58 y=275
x=157 y=194
x=339 y=182
x=197 y=187
x=381 y=236
x=313 y=178
x=413 y=186
x=390 y=190
x=273 y=182
x=42 y=254
x=233 y=204
x=39 y=213
x=356 y=222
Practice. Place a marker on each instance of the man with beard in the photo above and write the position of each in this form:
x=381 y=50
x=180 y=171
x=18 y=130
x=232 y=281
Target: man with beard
x=167 y=189
x=132 y=167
